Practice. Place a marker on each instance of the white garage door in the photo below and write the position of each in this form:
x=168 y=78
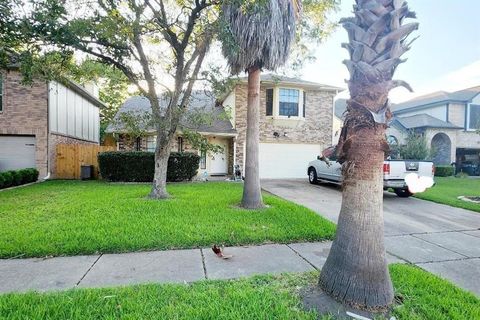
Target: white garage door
x=283 y=161
x=17 y=152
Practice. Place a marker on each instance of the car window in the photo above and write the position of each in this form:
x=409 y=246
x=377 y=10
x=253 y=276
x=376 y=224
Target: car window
x=330 y=153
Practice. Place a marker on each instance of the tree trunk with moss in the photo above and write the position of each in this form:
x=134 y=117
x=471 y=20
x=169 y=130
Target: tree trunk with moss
x=356 y=271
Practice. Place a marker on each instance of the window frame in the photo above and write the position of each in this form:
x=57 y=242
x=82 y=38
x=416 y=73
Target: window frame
x=469 y=113
x=150 y=139
x=301 y=115
x=267 y=90
x=290 y=94
x=203 y=160
x=180 y=144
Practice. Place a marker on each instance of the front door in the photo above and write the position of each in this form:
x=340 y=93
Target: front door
x=219 y=161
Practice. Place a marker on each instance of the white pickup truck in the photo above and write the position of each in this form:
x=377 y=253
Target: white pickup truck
x=326 y=168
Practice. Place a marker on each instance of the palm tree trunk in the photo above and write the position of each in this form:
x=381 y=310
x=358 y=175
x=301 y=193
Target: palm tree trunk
x=356 y=270
x=252 y=193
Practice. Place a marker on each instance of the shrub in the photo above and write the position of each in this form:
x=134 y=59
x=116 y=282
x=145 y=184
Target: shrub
x=444 y=171
x=29 y=175
x=15 y=178
x=8 y=179
x=182 y=166
x=139 y=166
x=415 y=148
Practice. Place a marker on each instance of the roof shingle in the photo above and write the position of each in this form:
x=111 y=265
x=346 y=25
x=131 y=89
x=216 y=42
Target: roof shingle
x=437 y=97
x=200 y=101
x=424 y=121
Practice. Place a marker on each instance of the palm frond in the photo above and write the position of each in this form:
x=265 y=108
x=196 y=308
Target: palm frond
x=260 y=36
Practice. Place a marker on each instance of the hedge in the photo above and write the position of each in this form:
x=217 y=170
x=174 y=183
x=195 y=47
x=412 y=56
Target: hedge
x=444 y=171
x=137 y=166
x=15 y=178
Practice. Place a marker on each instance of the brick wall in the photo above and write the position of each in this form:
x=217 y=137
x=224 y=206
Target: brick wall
x=24 y=112
x=315 y=129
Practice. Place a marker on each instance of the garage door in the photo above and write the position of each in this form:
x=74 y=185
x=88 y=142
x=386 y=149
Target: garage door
x=17 y=152
x=285 y=161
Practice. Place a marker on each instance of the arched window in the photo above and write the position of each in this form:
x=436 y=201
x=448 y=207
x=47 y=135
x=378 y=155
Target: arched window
x=392 y=140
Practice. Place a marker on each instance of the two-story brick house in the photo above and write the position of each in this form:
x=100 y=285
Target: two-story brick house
x=450 y=122
x=295 y=125
x=34 y=118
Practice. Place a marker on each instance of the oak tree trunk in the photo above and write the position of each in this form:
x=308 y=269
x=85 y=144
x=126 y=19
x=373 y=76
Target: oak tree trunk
x=159 y=185
x=252 y=193
x=356 y=269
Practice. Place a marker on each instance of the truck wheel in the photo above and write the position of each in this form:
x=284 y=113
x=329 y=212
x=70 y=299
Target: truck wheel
x=312 y=176
x=403 y=193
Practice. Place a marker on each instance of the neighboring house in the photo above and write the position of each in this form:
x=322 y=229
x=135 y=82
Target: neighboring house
x=35 y=118
x=449 y=120
x=295 y=125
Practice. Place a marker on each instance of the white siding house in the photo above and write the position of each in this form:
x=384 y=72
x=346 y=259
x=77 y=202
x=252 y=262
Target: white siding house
x=71 y=114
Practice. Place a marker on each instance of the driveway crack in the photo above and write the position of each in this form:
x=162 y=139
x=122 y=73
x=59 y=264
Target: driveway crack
x=436 y=244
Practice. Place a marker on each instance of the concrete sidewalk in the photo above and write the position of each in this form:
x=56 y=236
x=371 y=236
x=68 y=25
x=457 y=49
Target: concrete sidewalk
x=177 y=266
x=438 y=238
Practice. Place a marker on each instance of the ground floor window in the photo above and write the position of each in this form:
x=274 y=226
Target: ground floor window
x=203 y=160
x=151 y=143
x=180 y=144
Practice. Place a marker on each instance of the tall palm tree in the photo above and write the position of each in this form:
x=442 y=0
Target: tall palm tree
x=258 y=36
x=356 y=270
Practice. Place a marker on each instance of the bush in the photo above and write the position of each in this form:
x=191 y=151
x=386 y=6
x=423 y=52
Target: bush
x=29 y=175
x=15 y=178
x=444 y=171
x=415 y=148
x=8 y=179
x=139 y=166
x=182 y=166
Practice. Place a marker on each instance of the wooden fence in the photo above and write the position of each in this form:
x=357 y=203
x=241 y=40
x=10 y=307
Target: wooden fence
x=70 y=157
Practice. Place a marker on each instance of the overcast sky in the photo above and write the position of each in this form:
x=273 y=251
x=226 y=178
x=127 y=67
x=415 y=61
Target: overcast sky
x=445 y=57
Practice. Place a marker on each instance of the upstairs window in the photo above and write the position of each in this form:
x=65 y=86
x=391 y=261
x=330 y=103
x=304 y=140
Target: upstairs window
x=1 y=92
x=304 y=102
x=473 y=117
x=288 y=102
x=269 y=102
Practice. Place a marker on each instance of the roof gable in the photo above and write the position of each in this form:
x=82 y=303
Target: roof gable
x=436 y=98
x=423 y=121
x=283 y=80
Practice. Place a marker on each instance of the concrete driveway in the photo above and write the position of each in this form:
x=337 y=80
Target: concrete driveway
x=441 y=239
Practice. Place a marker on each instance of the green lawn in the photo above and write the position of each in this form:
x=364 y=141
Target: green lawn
x=425 y=297
x=72 y=217
x=446 y=191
